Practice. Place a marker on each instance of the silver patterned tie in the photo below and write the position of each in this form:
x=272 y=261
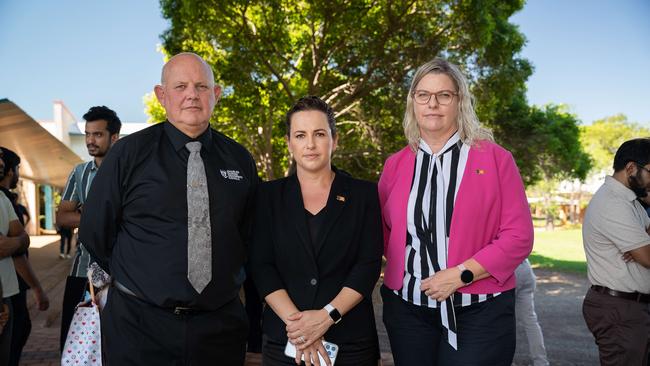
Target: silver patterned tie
x=199 y=237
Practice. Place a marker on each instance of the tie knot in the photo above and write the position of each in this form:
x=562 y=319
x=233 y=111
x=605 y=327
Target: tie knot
x=193 y=146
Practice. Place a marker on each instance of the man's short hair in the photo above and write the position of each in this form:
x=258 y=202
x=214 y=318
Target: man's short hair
x=636 y=150
x=11 y=159
x=113 y=123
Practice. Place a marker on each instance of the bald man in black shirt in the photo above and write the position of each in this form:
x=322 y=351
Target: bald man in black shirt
x=162 y=310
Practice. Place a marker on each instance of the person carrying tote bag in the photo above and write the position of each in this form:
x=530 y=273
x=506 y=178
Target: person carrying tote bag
x=83 y=345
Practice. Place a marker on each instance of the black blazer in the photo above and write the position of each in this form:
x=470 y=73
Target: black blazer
x=349 y=252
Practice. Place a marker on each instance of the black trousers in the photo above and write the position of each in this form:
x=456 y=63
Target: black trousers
x=73 y=295
x=22 y=326
x=254 y=311
x=486 y=332
x=138 y=333
x=5 y=335
x=362 y=353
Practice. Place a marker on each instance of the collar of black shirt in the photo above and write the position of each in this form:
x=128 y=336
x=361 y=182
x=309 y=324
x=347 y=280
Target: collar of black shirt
x=179 y=139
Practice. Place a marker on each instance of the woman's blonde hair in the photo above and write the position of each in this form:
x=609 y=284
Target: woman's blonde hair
x=469 y=127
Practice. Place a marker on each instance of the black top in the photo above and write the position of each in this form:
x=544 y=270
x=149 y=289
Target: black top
x=138 y=229
x=314 y=224
x=347 y=252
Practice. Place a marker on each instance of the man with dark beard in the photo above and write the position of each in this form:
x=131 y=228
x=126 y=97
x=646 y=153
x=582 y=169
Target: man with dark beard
x=616 y=237
x=102 y=130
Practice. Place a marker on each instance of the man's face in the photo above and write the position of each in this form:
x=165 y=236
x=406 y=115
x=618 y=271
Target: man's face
x=98 y=139
x=188 y=93
x=640 y=181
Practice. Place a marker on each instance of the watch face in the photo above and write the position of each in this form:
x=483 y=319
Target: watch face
x=467 y=276
x=335 y=315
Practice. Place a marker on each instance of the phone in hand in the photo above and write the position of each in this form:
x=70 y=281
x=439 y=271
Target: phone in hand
x=331 y=349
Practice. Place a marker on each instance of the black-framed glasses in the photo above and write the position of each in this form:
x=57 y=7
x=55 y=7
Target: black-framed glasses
x=443 y=97
x=642 y=166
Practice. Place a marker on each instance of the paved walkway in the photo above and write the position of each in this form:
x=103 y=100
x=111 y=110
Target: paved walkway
x=559 y=298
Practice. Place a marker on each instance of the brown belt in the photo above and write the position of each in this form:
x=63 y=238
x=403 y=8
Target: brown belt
x=634 y=296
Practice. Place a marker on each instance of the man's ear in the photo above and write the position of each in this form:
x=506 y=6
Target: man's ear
x=217 y=93
x=160 y=94
x=631 y=168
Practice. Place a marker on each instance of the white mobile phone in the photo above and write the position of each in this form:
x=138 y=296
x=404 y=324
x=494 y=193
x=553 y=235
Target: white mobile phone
x=331 y=349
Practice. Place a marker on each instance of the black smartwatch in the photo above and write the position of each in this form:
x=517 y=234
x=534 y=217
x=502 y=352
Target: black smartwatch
x=465 y=275
x=334 y=314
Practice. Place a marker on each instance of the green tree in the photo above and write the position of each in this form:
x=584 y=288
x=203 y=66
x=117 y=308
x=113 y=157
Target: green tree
x=153 y=108
x=545 y=140
x=357 y=55
x=603 y=137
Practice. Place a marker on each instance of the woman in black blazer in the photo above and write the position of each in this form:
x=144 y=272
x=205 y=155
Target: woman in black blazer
x=316 y=249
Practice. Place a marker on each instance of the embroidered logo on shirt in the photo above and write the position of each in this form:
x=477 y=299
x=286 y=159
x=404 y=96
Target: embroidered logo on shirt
x=340 y=198
x=231 y=174
x=480 y=171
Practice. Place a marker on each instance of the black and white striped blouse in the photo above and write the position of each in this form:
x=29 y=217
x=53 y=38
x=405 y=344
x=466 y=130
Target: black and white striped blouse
x=436 y=179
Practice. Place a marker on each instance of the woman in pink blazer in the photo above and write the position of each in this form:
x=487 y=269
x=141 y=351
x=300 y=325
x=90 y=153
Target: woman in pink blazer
x=456 y=225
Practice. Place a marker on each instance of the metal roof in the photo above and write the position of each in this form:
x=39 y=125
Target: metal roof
x=44 y=159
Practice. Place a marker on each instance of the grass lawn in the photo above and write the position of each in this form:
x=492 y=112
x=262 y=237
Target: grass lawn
x=559 y=250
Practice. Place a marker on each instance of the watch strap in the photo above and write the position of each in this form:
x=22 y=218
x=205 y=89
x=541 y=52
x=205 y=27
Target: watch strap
x=333 y=313
x=464 y=272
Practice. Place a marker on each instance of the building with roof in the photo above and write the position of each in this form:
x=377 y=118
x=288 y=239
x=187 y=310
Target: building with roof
x=49 y=150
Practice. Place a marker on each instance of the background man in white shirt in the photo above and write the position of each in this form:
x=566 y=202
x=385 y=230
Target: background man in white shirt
x=617 y=245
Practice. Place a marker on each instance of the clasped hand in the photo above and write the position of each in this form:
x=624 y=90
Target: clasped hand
x=305 y=330
x=305 y=327
x=442 y=284
x=311 y=352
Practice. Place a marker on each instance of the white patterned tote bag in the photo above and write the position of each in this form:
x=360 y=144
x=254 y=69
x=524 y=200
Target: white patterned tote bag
x=83 y=345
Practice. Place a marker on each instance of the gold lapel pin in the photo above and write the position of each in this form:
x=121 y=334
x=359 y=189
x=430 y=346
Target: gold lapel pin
x=340 y=198
x=480 y=171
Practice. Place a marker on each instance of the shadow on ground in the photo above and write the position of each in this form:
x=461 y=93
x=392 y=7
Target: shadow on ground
x=558 y=301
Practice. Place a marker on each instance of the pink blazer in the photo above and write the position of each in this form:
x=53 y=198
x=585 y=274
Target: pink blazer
x=491 y=221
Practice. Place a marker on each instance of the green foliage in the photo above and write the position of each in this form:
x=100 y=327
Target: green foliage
x=357 y=55
x=153 y=108
x=604 y=136
x=545 y=141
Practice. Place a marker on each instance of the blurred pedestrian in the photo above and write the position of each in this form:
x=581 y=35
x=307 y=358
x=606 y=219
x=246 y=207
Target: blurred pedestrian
x=66 y=241
x=13 y=238
x=526 y=315
x=26 y=276
x=102 y=131
x=616 y=239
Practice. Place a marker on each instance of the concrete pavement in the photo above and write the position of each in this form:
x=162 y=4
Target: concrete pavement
x=558 y=300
